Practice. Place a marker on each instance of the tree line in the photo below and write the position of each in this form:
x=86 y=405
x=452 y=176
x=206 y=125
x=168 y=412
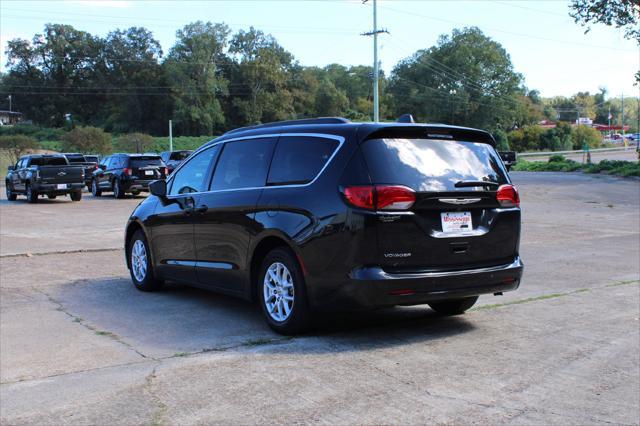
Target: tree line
x=212 y=80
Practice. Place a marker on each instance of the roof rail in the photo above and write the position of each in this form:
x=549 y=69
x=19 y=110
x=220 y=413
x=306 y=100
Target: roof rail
x=320 y=120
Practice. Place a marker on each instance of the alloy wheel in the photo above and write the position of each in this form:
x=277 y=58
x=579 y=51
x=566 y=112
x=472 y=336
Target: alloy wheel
x=139 y=260
x=278 y=292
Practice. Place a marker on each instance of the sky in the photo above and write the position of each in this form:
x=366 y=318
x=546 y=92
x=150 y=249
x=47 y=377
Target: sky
x=553 y=53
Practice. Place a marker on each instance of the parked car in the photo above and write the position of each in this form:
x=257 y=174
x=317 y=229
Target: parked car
x=173 y=158
x=50 y=175
x=327 y=214
x=86 y=162
x=127 y=173
x=509 y=158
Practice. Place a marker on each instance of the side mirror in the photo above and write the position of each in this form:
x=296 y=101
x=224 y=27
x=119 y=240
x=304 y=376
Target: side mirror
x=158 y=188
x=11 y=168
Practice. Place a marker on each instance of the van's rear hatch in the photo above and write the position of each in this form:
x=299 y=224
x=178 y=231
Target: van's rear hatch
x=453 y=223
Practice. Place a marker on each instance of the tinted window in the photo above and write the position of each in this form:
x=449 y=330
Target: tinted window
x=180 y=155
x=145 y=161
x=75 y=159
x=48 y=161
x=432 y=165
x=191 y=177
x=299 y=159
x=91 y=158
x=243 y=164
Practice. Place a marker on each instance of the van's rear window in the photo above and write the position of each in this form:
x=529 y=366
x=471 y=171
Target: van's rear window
x=432 y=165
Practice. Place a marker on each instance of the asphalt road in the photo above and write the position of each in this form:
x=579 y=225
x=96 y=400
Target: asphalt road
x=79 y=345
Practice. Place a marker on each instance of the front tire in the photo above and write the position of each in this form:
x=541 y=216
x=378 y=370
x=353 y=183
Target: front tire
x=11 y=196
x=95 y=190
x=453 y=306
x=140 y=266
x=76 y=196
x=32 y=196
x=282 y=293
x=117 y=189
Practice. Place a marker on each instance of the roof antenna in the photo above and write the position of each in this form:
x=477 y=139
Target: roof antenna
x=405 y=118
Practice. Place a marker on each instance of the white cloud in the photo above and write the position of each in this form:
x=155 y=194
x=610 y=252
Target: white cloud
x=117 y=4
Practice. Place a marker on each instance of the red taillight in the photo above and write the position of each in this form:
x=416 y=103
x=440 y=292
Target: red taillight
x=380 y=197
x=395 y=197
x=128 y=171
x=96 y=168
x=507 y=196
x=166 y=171
x=360 y=196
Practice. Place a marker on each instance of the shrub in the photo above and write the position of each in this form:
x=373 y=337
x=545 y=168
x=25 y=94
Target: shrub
x=14 y=146
x=502 y=140
x=135 y=142
x=586 y=135
x=87 y=140
x=556 y=158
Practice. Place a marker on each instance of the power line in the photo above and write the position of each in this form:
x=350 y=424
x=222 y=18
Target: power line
x=532 y=36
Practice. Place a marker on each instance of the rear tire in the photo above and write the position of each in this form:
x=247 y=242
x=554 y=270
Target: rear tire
x=95 y=189
x=76 y=196
x=32 y=196
x=453 y=306
x=140 y=266
x=11 y=196
x=117 y=189
x=282 y=293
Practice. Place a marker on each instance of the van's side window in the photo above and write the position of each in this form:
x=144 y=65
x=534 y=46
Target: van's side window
x=243 y=164
x=299 y=159
x=192 y=177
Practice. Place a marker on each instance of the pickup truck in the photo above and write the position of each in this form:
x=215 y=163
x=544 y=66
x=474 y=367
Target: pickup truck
x=86 y=162
x=509 y=158
x=50 y=175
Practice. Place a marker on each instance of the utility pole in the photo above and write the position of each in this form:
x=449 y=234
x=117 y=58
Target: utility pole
x=624 y=141
x=170 y=136
x=376 y=65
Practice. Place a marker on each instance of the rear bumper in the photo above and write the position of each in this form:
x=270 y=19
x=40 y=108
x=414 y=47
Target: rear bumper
x=136 y=185
x=372 y=287
x=52 y=188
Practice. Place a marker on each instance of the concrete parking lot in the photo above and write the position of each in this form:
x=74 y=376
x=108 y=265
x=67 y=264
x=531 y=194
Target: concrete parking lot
x=78 y=344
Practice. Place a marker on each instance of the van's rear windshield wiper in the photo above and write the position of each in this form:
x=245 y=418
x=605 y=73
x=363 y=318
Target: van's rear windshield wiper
x=474 y=183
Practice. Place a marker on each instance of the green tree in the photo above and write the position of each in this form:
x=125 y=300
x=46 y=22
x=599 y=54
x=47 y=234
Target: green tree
x=88 y=140
x=194 y=70
x=528 y=138
x=15 y=146
x=467 y=78
x=330 y=102
x=135 y=142
x=502 y=140
x=261 y=78
x=586 y=135
x=136 y=95
x=619 y=13
x=53 y=75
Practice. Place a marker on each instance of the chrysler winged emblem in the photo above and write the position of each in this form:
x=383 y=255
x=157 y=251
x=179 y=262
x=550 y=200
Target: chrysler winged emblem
x=62 y=173
x=459 y=201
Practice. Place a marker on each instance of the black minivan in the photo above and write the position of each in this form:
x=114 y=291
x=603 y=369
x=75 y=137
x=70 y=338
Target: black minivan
x=328 y=214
